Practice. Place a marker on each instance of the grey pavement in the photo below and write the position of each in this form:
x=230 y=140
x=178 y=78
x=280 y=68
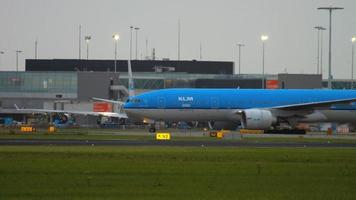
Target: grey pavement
x=176 y=143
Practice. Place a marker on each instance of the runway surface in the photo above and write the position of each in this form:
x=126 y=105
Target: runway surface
x=185 y=143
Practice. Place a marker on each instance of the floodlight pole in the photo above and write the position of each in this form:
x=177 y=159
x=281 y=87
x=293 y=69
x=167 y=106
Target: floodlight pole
x=353 y=40
x=17 y=59
x=330 y=9
x=179 y=39
x=239 y=46
x=115 y=55
x=318 y=51
x=352 y=67
x=263 y=65
x=131 y=27
x=200 y=51
x=264 y=38
x=80 y=42
x=321 y=51
x=319 y=69
x=136 y=29
x=87 y=40
x=36 y=48
x=116 y=37
x=1 y=53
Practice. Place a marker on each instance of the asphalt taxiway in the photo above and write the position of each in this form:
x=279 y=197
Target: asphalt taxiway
x=175 y=143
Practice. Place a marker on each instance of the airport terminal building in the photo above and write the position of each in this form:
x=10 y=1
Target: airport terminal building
x=62 y=84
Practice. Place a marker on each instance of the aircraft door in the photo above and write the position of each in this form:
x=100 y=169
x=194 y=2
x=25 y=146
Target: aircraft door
x=214 y=102
x=161 y=102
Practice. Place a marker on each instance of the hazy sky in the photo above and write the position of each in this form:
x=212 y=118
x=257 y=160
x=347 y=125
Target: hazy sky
x=217 y=24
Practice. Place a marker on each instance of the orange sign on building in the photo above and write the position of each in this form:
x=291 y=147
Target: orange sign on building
x=102 y=107
x=272 y=84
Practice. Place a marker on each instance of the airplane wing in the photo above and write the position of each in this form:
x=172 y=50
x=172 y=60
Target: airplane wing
x=106 y=114
x=306 y=108
x=314 y=105
x=109 y=101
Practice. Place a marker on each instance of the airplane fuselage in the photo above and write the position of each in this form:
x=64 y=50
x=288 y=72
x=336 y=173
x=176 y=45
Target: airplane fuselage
x=223 y=104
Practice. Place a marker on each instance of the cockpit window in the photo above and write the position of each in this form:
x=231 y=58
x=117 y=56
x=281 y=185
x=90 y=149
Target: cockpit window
x=134 y=100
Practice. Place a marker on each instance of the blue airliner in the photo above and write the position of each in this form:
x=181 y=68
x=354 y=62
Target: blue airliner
x=253 y=108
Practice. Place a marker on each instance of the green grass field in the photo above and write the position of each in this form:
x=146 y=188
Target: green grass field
x=50 y=172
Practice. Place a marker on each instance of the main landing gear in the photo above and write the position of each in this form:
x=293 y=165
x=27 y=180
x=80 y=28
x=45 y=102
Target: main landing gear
x=156 y=125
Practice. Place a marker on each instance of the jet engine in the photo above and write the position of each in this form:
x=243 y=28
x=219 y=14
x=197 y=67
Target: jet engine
x=257 y=119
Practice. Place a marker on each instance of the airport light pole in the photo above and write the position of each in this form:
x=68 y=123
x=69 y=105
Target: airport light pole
x=87 y=40
x=116 y=37
x=200 y=51
x=353 y=40
x=17 y=59
x=264 y=38
x=1 y=53
x=36 y=48
x=146 y=57
x=321 y=51
x=319 y=69
x=80 y=42
x=330 y=9
x=131 y=27
x=239 y=46
x=318 y=51
x=136 y=29
x=179 y=39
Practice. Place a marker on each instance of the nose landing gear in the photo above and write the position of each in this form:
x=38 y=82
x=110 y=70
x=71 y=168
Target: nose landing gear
x=152 y=129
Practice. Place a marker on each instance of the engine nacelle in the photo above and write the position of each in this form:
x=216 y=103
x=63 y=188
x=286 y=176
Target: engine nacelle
x=257 y=119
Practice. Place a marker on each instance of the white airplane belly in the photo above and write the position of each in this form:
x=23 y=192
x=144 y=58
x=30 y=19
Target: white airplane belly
x=185 y=114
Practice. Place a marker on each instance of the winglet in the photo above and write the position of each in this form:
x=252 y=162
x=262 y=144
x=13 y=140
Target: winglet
x=17 y=108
